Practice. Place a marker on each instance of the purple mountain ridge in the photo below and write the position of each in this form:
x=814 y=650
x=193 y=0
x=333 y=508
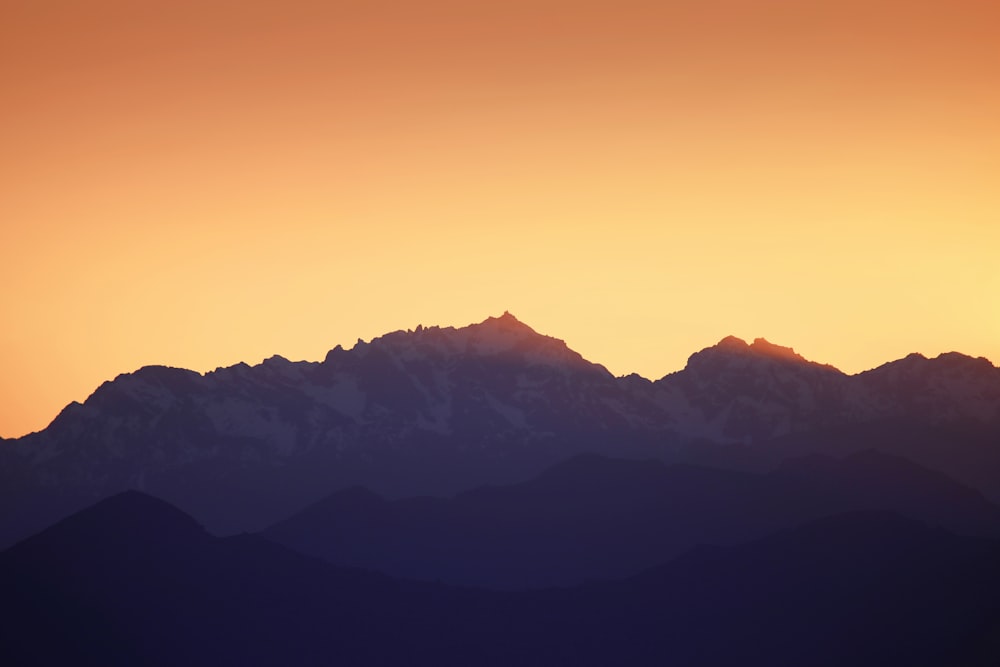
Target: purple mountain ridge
x=437 y=410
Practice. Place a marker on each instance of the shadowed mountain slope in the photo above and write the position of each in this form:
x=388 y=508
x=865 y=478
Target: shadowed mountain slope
x=597 y=518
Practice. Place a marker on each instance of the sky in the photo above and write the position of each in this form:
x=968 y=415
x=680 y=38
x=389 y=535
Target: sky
x=201 y=182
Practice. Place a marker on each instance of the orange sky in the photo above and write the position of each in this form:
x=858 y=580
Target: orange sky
x=199 y=182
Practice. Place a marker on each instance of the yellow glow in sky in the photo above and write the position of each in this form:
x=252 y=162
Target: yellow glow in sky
x=200 y=183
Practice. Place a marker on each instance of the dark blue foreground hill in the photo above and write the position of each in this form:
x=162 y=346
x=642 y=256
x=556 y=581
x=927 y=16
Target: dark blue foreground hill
x=594 y=517
x=134 y=581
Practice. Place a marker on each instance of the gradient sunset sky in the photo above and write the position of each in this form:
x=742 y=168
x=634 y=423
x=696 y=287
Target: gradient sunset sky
x=200 y=182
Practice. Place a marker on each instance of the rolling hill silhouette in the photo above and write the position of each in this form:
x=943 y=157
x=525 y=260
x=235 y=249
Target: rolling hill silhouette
x=132 y=580
x=597 y=518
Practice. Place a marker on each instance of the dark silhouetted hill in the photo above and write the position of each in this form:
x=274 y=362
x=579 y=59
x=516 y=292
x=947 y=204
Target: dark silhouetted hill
x=134 y=581
x=592 y=517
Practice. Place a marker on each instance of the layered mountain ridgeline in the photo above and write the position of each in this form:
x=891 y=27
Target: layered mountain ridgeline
x=593 y=518
x=432 y=410
x=439 y=410
x=134 y=581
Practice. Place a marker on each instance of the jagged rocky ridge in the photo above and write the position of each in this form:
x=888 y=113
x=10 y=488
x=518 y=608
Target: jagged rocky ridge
x=437 y=410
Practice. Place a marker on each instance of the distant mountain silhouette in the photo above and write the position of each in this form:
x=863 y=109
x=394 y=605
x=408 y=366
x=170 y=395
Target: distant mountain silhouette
x=134 y=581
x=598 y=518
x=440 y=410
x=858 y=588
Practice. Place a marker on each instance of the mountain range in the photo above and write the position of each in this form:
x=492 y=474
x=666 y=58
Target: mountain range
x=484 y=495
x=443 y=410
x=132 y=580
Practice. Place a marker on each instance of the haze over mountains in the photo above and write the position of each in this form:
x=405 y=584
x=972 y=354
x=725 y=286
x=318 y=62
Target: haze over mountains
x=440 y=410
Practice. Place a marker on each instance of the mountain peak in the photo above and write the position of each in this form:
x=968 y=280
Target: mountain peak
x=505 y=322
x=947 y=362
x=765 y=348
x=140 y=512
x=731 y=346
x=734 y=355
x=506 y=334
x=129 y=516
x=494 y=337
x=732 y=343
